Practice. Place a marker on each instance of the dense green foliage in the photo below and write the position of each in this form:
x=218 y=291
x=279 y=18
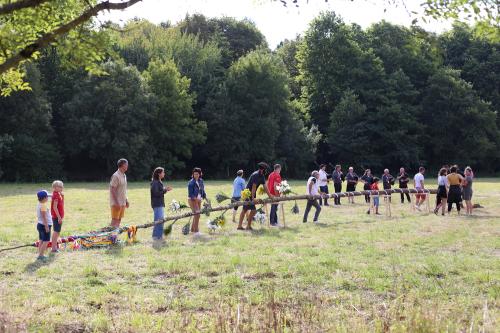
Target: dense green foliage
x=210 y=93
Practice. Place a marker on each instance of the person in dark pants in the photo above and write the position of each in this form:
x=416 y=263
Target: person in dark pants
x=387 y=181
x=273 y=181
x=367 y=180
x=312 y=189
x=337 y=177
x=323 y=183
x=158 y=191
x=256 y=179
x=455 y=192
x=352 y=180
x=403 y=180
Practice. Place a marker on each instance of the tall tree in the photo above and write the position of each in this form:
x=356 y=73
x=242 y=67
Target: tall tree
x=29 y=26
x=28 y=149
x=459 y=126
x=174 y=129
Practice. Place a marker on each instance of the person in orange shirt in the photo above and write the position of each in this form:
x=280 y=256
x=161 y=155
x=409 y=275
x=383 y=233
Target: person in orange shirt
x=455 y=191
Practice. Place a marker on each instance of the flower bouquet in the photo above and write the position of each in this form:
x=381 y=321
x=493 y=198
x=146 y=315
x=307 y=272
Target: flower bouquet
x=220 y=197
x=260 y=216
x=217 y=223
x=284 y=188
x=246 y=194
x=260 y=190
x=175 y=206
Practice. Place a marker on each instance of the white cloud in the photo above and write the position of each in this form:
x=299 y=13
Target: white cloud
x=274 y=20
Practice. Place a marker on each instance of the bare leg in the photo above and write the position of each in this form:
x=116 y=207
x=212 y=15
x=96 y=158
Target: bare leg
x=242 y=216
x=115 y=222
x=42 y=248
x=250 y=218
x=55 y=237
x=443 y=205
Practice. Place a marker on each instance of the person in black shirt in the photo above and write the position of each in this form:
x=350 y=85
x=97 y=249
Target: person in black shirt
x=256 y=179
x=352 y=180
x=338 y=178
x=387 y=181
x=404 y=179
x=367 y=180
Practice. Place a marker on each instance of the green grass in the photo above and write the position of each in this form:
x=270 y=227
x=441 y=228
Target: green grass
x=412 y=272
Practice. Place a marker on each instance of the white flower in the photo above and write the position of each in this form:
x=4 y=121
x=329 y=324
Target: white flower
x=212 y=226
x=284 y=188
x=174 y=205
x=260 y=217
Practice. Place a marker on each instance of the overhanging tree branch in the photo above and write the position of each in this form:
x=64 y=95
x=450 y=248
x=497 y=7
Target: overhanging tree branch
x=50 y=37
x=11 y=7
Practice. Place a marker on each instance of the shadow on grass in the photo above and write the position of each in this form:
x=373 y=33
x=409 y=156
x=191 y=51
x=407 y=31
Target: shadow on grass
x=479 y=217
x=37 y=264
x=115 y=250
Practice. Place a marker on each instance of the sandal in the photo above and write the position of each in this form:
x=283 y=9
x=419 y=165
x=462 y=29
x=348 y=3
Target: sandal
x=249 y=228
x=240 y=228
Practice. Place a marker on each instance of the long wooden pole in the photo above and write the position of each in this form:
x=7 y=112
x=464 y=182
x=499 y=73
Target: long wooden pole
x=283 y=199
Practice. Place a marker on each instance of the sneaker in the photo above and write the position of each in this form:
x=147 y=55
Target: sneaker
x=41 y=258
x=315 y=222
x=55 y=251
x=304 y=221
x=436 y=211
x=378 y=214
x=417 y=208
x=368 y=212
x=197 y=235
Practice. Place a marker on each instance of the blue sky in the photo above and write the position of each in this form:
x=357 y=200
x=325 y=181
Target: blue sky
x=275 y=21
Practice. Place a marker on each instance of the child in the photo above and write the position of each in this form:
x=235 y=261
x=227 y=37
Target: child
x=44 y=223
x=374 y=187
x=57 y=212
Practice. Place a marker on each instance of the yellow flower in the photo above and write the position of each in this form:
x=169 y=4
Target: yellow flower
x=246 y=194
x=221 y=221
x=260 y=190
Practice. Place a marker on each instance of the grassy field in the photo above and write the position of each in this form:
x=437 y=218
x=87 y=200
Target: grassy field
x=412 y=272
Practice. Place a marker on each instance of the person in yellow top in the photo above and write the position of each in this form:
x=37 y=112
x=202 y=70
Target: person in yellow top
x=455 y=192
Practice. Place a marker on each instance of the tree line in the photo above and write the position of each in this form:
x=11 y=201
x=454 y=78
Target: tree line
x=209 y=92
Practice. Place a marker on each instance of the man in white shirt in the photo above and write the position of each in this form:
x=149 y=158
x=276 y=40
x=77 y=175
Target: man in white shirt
x=418 y=182
x=312 y=189
x=323 y=183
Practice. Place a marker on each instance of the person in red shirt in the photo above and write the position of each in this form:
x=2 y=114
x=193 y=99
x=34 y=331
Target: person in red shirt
x=57 y=211
x=273 y=181
x=374 y=187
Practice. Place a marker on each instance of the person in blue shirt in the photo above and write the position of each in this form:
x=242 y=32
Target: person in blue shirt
x=196 y=192
x=238 y=186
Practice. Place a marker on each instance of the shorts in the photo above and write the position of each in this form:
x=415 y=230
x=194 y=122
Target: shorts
x=56 y=224
x=421 y=196
x=117 y=212
x=42 y=234
x=351 y=187
x=324 y=189
x=441 y=193
x=248 y=207
x=375 y=201
x=235 y=199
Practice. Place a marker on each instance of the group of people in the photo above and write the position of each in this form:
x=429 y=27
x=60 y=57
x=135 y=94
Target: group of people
x=453 y=187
